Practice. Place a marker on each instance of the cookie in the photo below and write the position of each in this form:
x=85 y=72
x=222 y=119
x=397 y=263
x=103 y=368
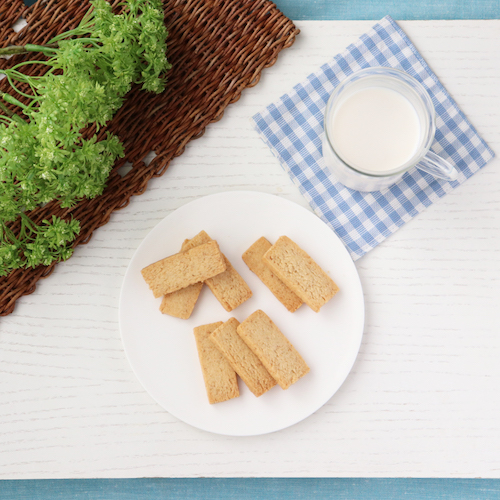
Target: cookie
x=274 y=350
x=300 y=273
x=253 y=259
x=221 y=382
x=243 y=361
x=184 y=269
x=180 y=304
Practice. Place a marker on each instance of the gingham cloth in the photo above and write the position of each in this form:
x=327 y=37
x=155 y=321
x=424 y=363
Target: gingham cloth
x=293 y=127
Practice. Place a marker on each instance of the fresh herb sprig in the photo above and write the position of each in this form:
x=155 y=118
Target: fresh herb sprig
x=44 y=157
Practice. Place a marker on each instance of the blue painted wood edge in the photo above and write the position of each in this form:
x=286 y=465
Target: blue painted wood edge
x=399 y=10
x=322 y=10
x=251 y=489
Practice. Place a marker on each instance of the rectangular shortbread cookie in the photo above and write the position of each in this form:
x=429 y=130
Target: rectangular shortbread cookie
x=200 y=239
x=180 y=304
x=229 y=288
x=220 y=379
x=277 y=354
x=243 y=361
x=300 y=273
x=184 y=269
x=253 y=259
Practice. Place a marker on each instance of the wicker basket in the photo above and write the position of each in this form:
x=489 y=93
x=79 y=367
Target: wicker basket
x=217 y=48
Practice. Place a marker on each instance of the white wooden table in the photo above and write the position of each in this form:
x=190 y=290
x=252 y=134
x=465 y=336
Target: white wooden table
x=423 y=397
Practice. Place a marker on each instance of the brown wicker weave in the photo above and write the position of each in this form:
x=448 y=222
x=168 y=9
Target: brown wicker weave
x=217 y=48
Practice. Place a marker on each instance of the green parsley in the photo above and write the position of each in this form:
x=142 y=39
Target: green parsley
x=43 y=157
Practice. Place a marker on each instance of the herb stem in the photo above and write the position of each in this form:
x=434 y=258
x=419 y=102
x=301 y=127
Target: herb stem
x=77 y=32
x=8 y=234
x=6 y=110
x=27 y=223
x=11 y=100
x=25 y=49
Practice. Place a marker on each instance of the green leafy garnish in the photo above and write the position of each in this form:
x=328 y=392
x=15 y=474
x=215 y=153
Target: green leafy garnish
x=44 y=156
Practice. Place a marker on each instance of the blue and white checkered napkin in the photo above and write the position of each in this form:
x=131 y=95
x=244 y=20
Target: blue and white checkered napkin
x=293 y=126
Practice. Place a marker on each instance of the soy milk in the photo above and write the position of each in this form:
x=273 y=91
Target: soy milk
x=375 y=130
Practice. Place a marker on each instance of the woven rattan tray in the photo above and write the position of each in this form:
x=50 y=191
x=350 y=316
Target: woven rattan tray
x=217 y=49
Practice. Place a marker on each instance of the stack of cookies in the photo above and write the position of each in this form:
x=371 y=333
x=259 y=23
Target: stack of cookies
x=256 y=350
x=180 y=278
x=290 y=273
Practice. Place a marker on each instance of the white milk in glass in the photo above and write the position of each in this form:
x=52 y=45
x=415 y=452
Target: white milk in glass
x=375 y=130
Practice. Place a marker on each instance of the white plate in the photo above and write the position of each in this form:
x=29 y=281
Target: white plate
x=162 y=349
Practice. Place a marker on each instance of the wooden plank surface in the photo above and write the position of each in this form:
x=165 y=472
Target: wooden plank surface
x=422 y=399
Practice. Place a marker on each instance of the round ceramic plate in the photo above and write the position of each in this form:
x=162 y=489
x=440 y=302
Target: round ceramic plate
x=162 y=350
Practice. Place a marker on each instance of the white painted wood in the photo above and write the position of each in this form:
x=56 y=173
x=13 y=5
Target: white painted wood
x=423 y=397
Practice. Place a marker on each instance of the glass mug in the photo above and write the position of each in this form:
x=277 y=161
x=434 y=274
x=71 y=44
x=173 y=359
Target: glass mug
x=380 y=123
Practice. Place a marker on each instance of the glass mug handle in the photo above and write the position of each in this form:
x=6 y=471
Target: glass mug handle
x=436 y=166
